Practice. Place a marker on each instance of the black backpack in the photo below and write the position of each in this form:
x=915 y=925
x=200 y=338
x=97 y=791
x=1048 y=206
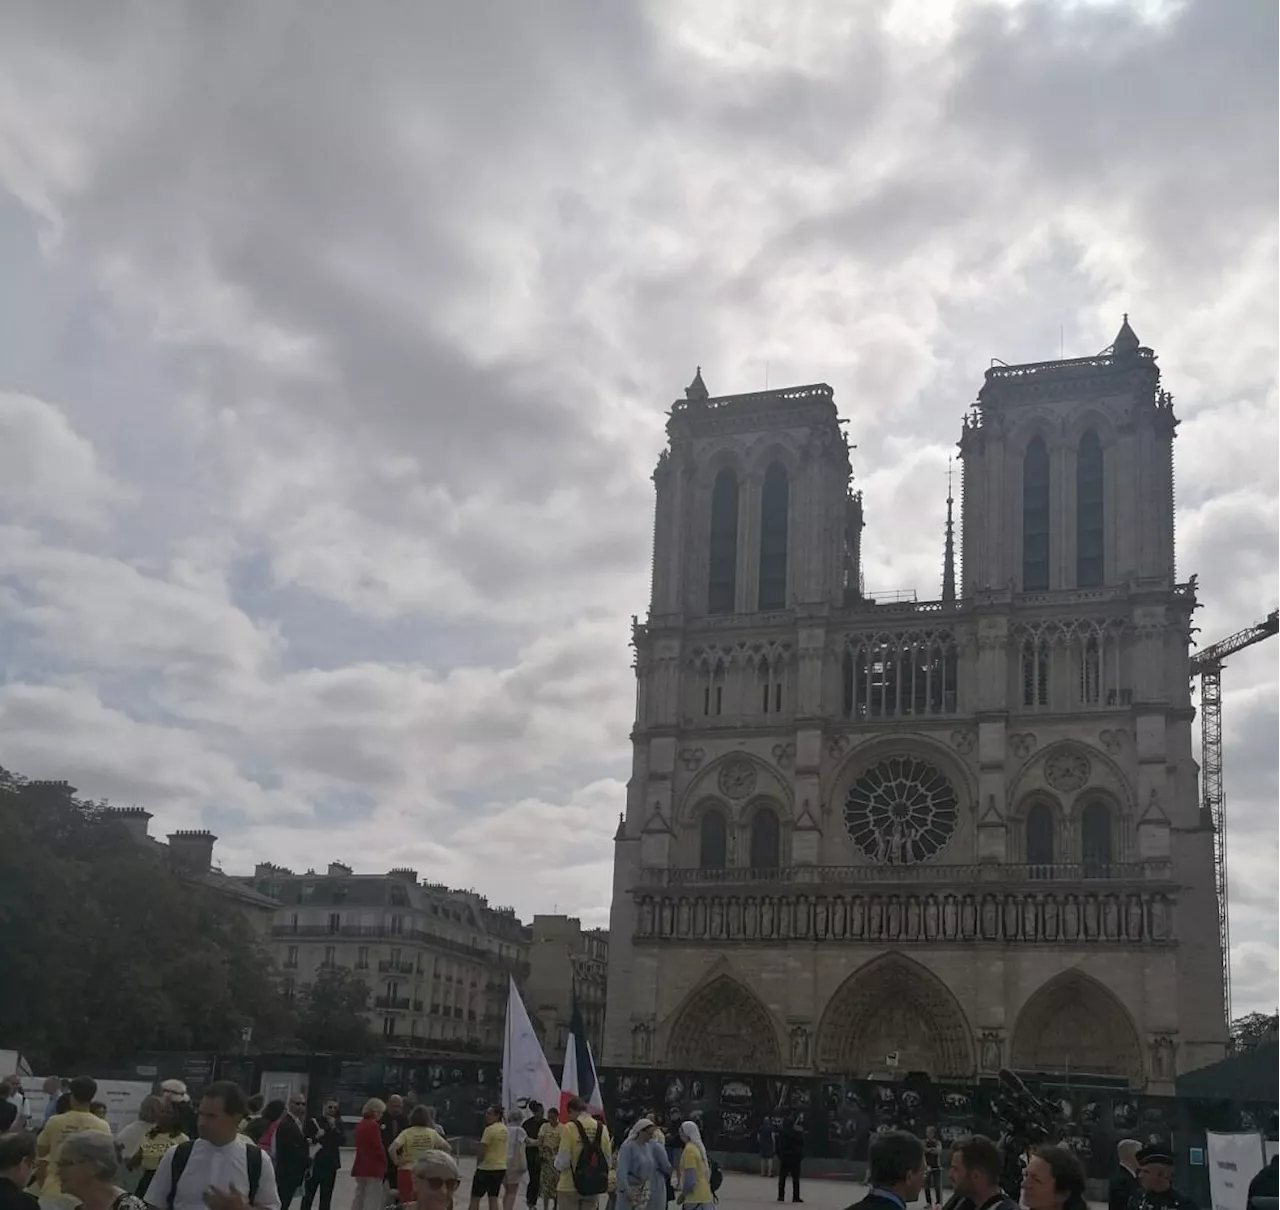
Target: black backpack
x=590 y=1169
x=182 y=1153
x=715 y=1177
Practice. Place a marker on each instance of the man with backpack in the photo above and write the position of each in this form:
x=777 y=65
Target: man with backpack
x=977 y=1165
x=583 y=1159
x=221 y=1170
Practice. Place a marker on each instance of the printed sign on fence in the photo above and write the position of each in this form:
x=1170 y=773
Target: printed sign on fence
x=1234 y=1160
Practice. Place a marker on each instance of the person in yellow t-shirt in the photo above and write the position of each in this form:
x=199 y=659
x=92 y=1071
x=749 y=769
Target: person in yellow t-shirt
x=695 y=1169
x=78 y=1116
x=491 y=1167
x=419 y=1137
x=166 y=1133
x=577 y=1114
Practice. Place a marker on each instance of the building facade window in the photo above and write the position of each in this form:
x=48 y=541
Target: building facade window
x=1090 y=570
x=1035 y=674
x=774 y=501
x=723 y=554
x=1095 y=839
x=362 y=958
x=1090 y=673
x=765 y=840
x=291 y=957
x=1035 y=517
x=330 y=956
x=1039 y=839
x=713 y=842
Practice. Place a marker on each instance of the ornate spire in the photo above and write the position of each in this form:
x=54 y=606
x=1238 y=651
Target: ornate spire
x=697 y=389
x=1126 y=340
x=949 y=551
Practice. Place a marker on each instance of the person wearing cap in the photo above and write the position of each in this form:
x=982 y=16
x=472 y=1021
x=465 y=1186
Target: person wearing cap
x=174 y=1093
x=1155 y=1178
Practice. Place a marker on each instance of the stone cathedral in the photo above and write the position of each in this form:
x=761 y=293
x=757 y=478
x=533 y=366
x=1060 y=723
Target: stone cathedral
x=883 y=837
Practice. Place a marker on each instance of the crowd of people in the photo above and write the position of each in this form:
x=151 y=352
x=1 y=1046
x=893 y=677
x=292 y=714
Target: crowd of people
x=237 y=1153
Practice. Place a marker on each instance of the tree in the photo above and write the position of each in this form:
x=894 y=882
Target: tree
x=331 y=1013
x=1251 y=1030
x=111 y=950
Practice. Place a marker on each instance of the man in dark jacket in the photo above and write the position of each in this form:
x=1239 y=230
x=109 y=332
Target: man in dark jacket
x=977 y=1164
x=328 y=1135
x=790 y=1158
x=292 y=1153
x=1124 y=1182
x=532 y=1154
x=17 y=1164
x=896 y=1171
x=392 y=1125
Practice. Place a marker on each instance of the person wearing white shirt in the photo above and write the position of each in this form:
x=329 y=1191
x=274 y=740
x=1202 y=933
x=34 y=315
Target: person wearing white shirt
x=216 y=1175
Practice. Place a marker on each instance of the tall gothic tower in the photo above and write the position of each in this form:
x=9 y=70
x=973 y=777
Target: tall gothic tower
x=869 y=838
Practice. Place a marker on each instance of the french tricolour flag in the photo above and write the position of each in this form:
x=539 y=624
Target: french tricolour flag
x=579 y=1079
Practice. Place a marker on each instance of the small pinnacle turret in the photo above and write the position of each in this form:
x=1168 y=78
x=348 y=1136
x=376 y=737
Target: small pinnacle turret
x=697 y=389
x=1126 y=340
x=949 y=551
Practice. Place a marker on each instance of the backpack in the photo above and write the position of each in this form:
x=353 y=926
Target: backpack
x=182 y=1153
x=716 y=1176
x=268 y=1137
x=591 y=1169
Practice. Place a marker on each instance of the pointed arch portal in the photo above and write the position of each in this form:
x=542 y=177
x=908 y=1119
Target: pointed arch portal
x=893 y=1005
x=724 y=1027
x=1075 y=1025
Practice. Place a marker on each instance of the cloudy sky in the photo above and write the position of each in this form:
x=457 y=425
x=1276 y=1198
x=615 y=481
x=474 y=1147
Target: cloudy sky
x=335 y=344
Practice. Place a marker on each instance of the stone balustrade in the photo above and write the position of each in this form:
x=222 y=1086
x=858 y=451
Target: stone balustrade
x=960 y=875
x=1083 y=916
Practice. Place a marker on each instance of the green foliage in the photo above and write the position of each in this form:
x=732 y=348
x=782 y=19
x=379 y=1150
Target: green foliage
x=330 y=1013
x=1250 y=1031
x=107 y=950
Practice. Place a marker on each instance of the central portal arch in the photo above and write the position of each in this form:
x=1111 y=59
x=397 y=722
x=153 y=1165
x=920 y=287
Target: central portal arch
x=724 y=1027
x=895 y=1005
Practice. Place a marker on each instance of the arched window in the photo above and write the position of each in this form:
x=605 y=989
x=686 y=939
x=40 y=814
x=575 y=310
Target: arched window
x=1035 y=673
x=1040 y=839
x=1095 y=839
x=723 y=579
x=714 y=842
x=1090 y=672
x=1035 y=517
x=1089 y=569
x=773 y=539
x=765 y=840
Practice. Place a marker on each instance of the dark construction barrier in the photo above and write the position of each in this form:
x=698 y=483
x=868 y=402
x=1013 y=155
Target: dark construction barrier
x=837 y=1116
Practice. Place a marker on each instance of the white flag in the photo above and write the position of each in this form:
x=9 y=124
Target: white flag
x=526 y=1075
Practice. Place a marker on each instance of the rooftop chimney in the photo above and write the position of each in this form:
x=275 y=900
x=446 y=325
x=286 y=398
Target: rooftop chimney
x=134 y=820
x=338 y=870
x=192 y=850
x=405 y=874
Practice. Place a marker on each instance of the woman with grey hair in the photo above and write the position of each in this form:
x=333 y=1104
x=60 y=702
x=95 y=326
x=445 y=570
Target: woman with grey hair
x=87 y=1167
x=435 y=1180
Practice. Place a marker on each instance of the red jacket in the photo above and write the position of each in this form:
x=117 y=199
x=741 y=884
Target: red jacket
x=371 y=1155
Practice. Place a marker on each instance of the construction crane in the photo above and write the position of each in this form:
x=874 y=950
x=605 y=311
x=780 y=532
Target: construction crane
x=1208 y=665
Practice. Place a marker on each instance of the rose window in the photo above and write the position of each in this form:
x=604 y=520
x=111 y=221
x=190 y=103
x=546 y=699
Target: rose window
x=901 y=811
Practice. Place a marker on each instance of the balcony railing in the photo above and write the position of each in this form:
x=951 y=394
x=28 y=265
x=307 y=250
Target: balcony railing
x=973 y=872
x=430 y=940
x=397 y=1004
x=388 y=967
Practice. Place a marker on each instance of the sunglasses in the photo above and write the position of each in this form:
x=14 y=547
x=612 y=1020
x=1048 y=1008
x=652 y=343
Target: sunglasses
x=440 y=1182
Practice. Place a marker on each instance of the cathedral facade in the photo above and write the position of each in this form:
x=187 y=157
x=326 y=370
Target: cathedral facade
x=879 y=837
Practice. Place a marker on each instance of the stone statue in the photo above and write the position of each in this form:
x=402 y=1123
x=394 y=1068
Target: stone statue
x=766 y=919
x=751 y=919
x=1133 y=918
x=640 y=1043
x=1159 y=918
x=950 y=923
x=1091 y=917
x=667 y=918
x=684 y=918
x=646 y=918
x=876 y=922
x=799 y=1047
x=1051 y=918
x=894 y=918
x=717 y=919
x=735 y=919
x=1030 y=929
x=1070 y=919
x=1162 y=1059
x=839 y=918
x=931 y=917
x=820 y=919
x=803 y=915
x=990 y=919
x=1012 y=917
x=913 y=918
x=990 y=1052
x=1111 y=918
x=858 y=918
x=969 y=918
